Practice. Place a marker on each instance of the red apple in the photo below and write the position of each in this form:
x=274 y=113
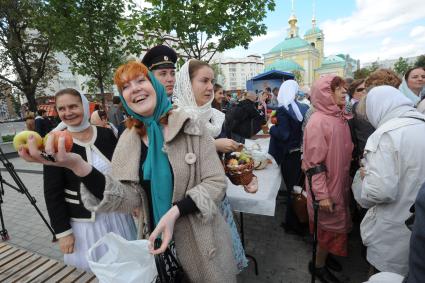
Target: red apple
x=21 y=139
x=68 y=139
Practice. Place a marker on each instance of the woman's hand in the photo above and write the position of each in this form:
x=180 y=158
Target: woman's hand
x=136 y=212
x=362 y=172
x=326 y=205
x=165 y=229
x=252 y=187
x=62 y=158
x=66 y=244
x=226 y=145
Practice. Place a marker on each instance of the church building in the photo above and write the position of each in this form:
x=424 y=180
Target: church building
x=306 y=55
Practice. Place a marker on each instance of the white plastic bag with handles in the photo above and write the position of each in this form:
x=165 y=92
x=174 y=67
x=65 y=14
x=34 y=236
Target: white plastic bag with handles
x=124 y=262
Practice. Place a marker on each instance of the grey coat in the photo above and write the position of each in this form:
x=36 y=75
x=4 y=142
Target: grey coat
x=203 y=241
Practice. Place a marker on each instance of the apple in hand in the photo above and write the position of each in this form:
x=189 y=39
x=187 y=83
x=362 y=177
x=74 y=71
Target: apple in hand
x=56 y=135
x=21 y=139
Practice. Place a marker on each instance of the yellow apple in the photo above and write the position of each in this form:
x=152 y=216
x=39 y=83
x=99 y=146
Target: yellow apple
x=22 y=139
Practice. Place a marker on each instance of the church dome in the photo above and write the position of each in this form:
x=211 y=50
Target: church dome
x=313 y=31
x=284 y=65
x=333 y=59
x=290 y=44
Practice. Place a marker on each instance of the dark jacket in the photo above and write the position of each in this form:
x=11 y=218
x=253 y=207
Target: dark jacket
x=244 y=119
x=62 y=186
x=115 y=116
x=42 y=126
x=361 y=130
x=287 y=134
x=417 y=242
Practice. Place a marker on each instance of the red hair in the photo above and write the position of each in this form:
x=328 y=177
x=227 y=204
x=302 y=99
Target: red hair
x=128 y=72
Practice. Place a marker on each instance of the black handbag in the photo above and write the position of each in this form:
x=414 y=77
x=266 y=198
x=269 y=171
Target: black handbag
x=169 y=268
x=410 y=222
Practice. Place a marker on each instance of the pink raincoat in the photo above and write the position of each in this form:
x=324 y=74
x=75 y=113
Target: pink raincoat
x=327 y=140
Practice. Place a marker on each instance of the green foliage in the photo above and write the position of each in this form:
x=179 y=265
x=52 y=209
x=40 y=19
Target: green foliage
x=362 y=73
x=298 y=77
x=26 y=59
x=206 y=27
x=420 y=61
x=94 y=35
x=16 y=105
x=217 y=69
x=8 y=138
x=374 y=67
x=401 y=66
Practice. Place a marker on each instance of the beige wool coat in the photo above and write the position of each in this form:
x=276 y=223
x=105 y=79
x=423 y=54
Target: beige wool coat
x=203 y=241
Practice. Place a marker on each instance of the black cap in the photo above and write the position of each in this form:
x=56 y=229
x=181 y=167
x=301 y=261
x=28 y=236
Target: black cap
x=160 y=57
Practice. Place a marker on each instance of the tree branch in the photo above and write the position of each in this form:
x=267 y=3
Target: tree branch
x=18 y=86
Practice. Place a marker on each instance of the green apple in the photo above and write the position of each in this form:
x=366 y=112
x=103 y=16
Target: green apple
x=21 y=139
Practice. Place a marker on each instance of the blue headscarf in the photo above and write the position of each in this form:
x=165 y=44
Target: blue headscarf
x=156 y=167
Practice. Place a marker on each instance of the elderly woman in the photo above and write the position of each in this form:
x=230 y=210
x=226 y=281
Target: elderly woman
x=172 y=173
x=285 y=142
x=327 y=142
x=77 y=228
x=394 y=172
x=413 y=84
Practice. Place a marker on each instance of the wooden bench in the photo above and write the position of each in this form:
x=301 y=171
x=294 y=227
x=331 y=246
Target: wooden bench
x=18 y=265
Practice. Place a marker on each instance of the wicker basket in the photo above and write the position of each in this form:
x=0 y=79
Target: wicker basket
x=241 y=175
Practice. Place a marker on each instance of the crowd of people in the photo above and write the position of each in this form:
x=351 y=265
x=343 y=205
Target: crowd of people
x=155 y=156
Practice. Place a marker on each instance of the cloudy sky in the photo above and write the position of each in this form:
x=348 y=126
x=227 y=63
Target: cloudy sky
x=366 y=29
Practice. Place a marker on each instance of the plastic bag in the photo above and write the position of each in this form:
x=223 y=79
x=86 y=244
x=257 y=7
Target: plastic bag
x=386 y=277
x=124 y=262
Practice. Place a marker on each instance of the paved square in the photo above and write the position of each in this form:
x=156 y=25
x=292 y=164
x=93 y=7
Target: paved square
x=281 y=257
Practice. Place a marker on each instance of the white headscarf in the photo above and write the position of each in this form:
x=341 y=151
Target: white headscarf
x=84 y=123
x=404 y=88
x=184 y=98
x=384 y=103
x=287 y=93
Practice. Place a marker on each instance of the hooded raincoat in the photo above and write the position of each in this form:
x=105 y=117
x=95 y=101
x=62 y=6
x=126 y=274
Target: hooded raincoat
x=395 y=170
x=327 y=141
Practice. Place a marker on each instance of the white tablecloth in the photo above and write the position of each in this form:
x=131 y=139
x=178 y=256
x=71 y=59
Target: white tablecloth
x=263 y=202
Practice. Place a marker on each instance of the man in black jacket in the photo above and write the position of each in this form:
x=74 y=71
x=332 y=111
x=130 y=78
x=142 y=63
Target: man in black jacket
x=42 y=124
x=244 y=120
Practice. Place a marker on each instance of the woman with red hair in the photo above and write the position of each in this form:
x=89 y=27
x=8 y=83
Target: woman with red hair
x=168 y=167
x=327 y=141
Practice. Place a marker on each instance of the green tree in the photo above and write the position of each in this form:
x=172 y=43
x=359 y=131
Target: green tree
x=16 y=105
x=375 y=66
x=206 y=27
x=298 y=77
x=26 y=58
x=401 y=66
x=94 y=35
x=420 y=61
x=217 y=69
x=361 y=73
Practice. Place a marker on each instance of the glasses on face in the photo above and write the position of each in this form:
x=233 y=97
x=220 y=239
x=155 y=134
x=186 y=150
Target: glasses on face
x=361 y=89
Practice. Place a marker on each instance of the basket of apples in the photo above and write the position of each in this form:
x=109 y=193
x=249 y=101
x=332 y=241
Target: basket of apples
x=239 y=167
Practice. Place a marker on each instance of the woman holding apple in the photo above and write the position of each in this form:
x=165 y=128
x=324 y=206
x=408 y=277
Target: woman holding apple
x=165 y=165
x=77 y=228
